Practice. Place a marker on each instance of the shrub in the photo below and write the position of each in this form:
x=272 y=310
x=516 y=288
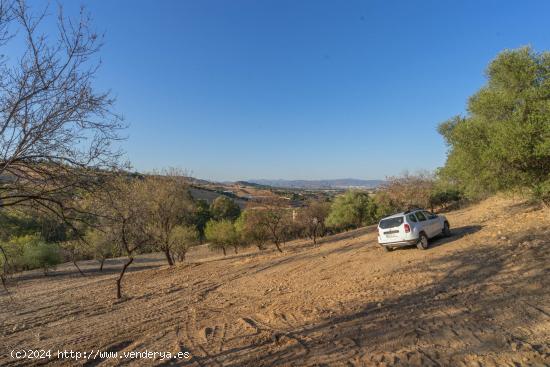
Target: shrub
x=30 y=252
x=39 y=254
x=541 y=193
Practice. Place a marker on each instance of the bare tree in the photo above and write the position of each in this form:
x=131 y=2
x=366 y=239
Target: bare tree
x=276 y=218
x=56 y=130
x=75 y=250
x=407 y=191
x=121 y=218
x=312 y=219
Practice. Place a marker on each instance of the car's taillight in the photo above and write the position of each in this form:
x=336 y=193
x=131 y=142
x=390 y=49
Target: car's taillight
x=407 y=228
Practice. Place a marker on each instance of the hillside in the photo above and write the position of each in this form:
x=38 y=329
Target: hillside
x=478 y=298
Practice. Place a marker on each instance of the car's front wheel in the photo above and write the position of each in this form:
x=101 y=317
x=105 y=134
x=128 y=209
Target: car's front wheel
x=422 y=242
x=446 y=230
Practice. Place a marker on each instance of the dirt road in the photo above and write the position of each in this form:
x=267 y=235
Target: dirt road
x=480 y=298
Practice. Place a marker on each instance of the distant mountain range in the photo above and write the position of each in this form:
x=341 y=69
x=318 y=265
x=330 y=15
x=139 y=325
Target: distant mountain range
x=343 y=183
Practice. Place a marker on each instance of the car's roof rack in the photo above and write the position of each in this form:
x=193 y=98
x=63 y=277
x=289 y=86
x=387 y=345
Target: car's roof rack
x=413 y=210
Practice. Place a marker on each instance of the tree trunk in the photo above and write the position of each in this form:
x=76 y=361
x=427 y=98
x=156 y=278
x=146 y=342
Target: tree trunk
x=4 y=273
x=224 y=253
x=235 y=247
x=77 y=267
x=314 y=239
x=182 y=256
x=101 y=262
x=168 y=257
x=278 y=247
x=119 y=280
x=4 y=284
x=546 y=206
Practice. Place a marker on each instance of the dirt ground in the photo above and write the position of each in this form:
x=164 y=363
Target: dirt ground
x=479 y=298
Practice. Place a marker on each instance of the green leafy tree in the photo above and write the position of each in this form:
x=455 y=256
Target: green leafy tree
x=221 y=234
x=224 y=208
x=13 y=249
x=42 y=255
x=201 y=216
x=504 y=141
x=351 y=210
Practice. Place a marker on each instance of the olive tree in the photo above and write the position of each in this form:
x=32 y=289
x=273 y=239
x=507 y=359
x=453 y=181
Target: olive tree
x=503 y=142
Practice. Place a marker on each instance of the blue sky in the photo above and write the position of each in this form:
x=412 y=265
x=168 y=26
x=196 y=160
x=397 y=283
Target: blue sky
x=300 y=89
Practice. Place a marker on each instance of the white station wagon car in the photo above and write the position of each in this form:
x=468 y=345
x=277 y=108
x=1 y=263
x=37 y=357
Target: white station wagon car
x=413 y=227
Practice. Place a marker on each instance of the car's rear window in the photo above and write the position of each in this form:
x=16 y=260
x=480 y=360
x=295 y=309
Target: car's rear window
x=391 y=222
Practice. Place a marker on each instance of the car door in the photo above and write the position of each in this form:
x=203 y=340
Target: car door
x=433 y=223
x=423 y=222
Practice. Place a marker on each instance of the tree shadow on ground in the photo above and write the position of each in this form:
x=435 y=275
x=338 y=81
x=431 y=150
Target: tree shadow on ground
x=478 y=303
x=111 y=266
x=456 y=234
x=368 y=245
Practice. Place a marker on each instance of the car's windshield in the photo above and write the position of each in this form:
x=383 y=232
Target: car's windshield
x=391 y=222
x=430 y=215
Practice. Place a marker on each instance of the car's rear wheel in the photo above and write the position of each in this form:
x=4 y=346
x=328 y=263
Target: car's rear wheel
x=446 y=229
x=386 y=248
x=422 y=242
